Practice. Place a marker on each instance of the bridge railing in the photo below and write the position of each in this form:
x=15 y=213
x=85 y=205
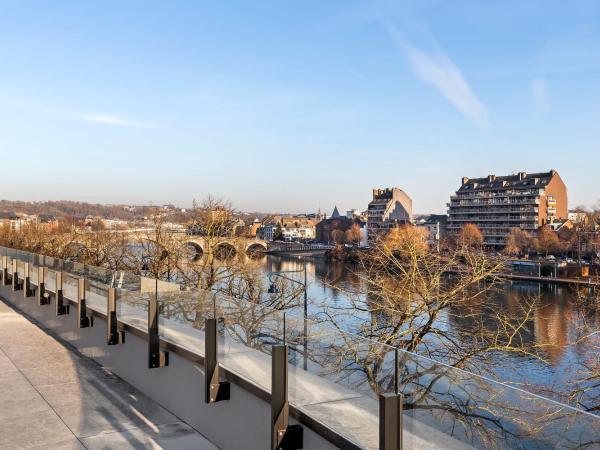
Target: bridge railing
x=368 y=394
x=295 y=247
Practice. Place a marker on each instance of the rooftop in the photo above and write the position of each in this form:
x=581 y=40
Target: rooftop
x=521 y=180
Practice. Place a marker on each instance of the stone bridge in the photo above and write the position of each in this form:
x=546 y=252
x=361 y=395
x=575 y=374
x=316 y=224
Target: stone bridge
x=225 y=246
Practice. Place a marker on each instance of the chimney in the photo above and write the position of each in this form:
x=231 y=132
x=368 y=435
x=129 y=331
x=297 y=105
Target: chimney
x=465 y=180
x=522 y=175
x=491 y=178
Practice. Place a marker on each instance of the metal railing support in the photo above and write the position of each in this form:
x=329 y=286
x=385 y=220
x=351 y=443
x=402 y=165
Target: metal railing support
x=156 y=357
x=84 y=320
x=390 y=421
x=61 y=308
x=27 y=291
x=283 y=435
x=5 y=280
x=214 y=390
x=42 y=297
x=16 y=286
x=114 y=336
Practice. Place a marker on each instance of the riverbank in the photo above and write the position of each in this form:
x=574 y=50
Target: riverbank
x=556 y=280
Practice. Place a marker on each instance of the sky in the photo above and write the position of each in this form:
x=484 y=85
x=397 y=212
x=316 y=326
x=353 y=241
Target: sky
x=285 y=106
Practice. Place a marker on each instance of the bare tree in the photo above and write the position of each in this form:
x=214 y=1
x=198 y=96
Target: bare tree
x=411 y=294
x=519 y=242
x=470 y=236
x=338 y=237
x=547 y=241
x=353 y=234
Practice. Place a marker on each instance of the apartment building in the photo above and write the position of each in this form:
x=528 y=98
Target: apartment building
x=389 y=208
x=498 y=203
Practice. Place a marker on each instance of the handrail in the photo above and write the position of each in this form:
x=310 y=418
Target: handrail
x=325 y=339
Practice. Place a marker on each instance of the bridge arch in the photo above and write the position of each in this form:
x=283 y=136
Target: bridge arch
x=195 y=249
x=225 y=250
x=255 y=248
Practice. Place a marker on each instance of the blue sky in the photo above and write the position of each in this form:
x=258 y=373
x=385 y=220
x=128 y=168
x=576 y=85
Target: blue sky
x=292 y=106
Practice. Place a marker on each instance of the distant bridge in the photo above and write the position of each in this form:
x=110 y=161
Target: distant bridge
x=230 y=246
x=225 y=246
x=252 y=246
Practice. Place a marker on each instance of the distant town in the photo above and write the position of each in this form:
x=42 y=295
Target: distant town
x=509 y=211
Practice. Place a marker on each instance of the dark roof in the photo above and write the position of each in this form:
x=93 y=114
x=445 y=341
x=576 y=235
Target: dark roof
x=434 y=218
x=46 y=218
x=335 y=214
x=521 y=180
x=8 y=215
x=380 y=201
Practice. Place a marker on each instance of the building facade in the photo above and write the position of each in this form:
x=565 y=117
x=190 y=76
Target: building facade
x=435 y=228
x=496 y=204
x=328 y=229
x=11 y=220
x=266 y=232
x=299 y=228
x=389 y=208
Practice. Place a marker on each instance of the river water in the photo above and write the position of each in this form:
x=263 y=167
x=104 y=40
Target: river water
x=556 y=331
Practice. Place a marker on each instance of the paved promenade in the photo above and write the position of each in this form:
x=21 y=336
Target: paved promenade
x=53 y=398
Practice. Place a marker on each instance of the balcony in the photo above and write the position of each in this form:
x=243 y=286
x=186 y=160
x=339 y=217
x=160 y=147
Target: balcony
x=493 y=202
x=502 y=219
x=486 y=209
x=163 y=340
x=498 y=194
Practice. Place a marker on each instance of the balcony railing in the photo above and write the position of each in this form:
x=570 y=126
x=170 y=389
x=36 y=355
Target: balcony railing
x=487 y=209
x=504 y=218
x=354 y=387
x=499 y=194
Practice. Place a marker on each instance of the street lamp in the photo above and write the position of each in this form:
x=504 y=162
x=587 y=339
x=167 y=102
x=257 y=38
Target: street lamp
x=273 y=289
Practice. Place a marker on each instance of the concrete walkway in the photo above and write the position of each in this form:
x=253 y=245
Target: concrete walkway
x=53 y=398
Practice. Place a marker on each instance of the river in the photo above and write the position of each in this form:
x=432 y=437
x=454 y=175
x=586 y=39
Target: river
x=556 y=330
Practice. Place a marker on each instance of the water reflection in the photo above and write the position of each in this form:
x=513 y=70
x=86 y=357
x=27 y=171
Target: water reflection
x=556 y=328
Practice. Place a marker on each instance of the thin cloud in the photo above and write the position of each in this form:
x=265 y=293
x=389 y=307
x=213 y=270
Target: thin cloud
x=99 y=118
x=109 y=119
x=539 y=94
x=439 y=71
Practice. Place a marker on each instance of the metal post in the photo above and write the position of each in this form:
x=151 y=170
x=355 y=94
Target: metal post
x=42 y=297
x=16 y=286
x=390 y=421
x=84 y=320
x=156 y=358
x=114 y=336
x=214 y=390
x=283 y=435
x=305 y=343
x=5 y=270
x=27 y=292
x=61 y=308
